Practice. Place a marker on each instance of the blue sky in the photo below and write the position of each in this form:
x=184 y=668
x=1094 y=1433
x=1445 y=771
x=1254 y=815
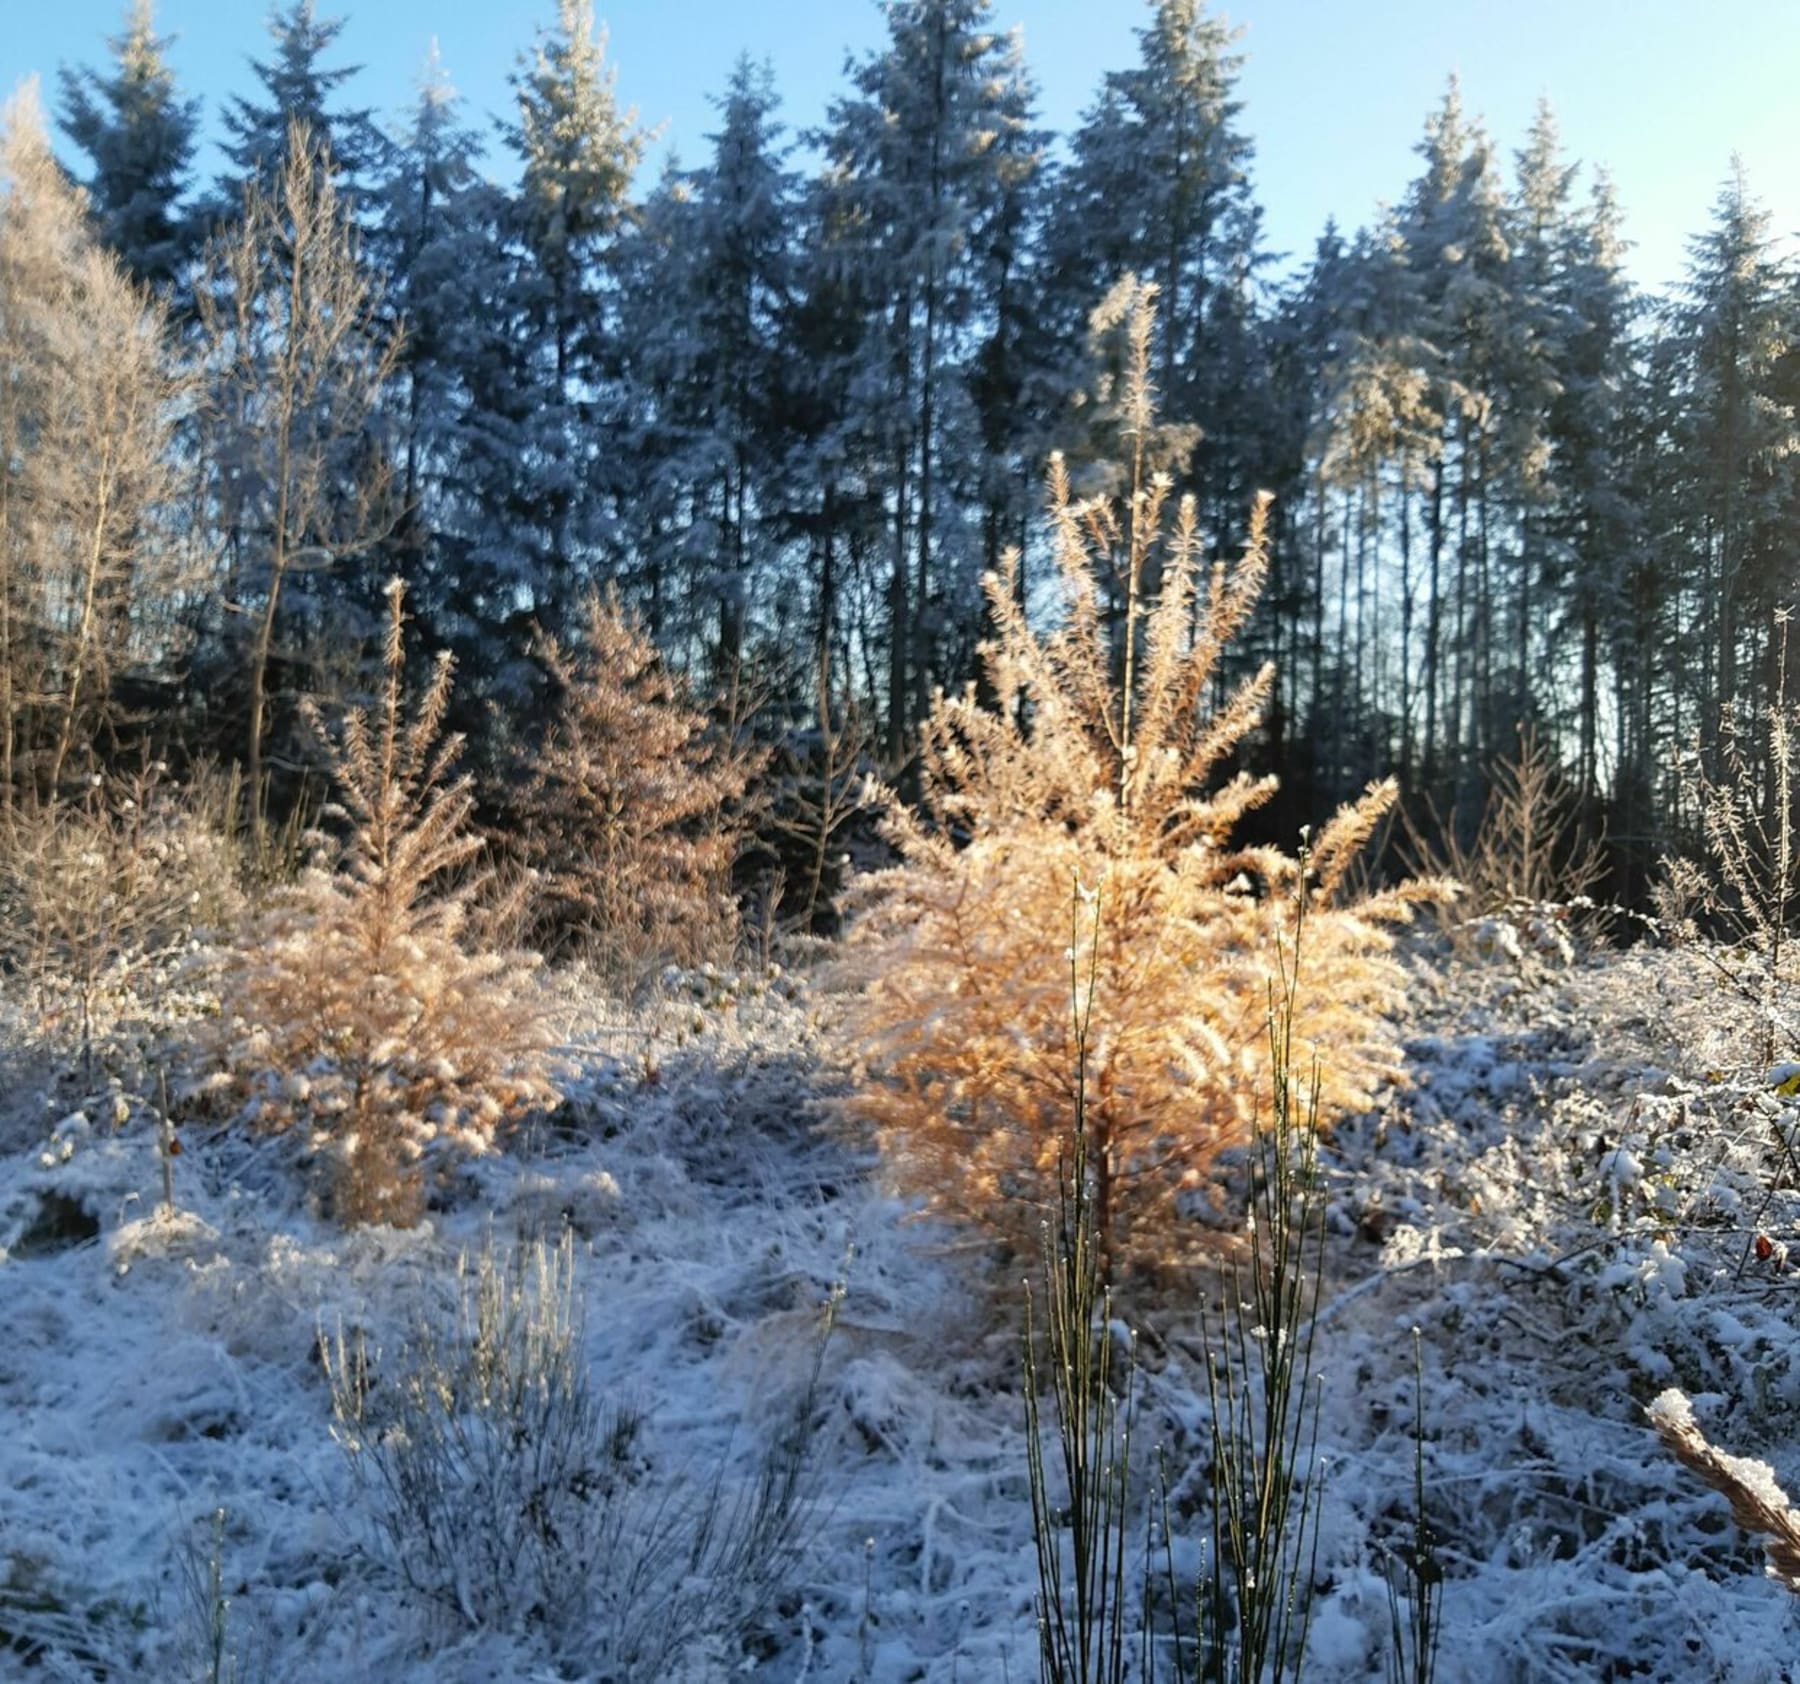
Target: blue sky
x=1335 y=92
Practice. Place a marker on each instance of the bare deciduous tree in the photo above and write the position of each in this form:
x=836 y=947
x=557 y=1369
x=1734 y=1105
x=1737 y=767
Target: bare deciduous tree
x=298 y=351
x=93 y=562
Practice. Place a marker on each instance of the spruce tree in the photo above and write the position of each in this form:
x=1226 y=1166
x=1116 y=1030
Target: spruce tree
x=919 y=159
x=1734 y=330
x=439 y=236
x=138 y=134
x=297 y=87
x=577 y=151
x=711 y=277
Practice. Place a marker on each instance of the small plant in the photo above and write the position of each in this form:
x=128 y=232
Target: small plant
x=1252 y=1606
x=826 y=791
x=629 y=814
x=1081 y=1603
x=1415 y=1575
x=506 y=1493
x=214 y=1651
x=496 y=1474
x=1529 y=875
x=1256 y=1591
x=363 y=1003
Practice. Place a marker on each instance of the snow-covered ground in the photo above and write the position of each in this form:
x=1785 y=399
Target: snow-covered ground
x=1566 y=1204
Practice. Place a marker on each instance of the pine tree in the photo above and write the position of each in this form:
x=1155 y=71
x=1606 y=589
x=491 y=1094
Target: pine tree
x=1734 y=328
x=629 y=811
x=1541 y=261
x=1377 y=436
x=1456 y=247
x=1158 y=186
x=139 y=137
x=916 y=155
x=1600 y=512
x=298 y=89
x=440 y=236
x=710 y=279
x=577 y=152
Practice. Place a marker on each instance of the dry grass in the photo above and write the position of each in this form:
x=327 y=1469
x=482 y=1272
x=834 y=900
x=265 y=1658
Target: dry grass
x=1758 y=1503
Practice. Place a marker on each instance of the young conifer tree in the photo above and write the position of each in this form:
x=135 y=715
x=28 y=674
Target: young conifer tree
x=630 y=812
x=1097 y=762
x=364 y=1004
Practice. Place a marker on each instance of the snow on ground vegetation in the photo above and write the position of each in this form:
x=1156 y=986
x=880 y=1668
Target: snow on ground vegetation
x=1583 y=1200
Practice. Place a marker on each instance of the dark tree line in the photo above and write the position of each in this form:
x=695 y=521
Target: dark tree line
x=797 y=401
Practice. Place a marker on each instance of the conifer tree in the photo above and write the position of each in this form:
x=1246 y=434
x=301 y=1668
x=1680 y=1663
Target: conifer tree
x=1096 y=772
x=138 y=135
x=440 y=236
x=711 y=277
x=630 y=808
x=1158 y=186
x=298 y=89
x=1739 y=447
x=363 y=1006
x=577 y=151
x=916 y=157
x=1600 y=513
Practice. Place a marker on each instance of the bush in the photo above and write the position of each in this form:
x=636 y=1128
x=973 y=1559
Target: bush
x=1746 y=810
x=1092 y=758
x=99 y=889
x=1529 y=874
x=507 y=1494
x=362 y=1003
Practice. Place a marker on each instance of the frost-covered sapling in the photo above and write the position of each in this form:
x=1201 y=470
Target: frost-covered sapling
x=630 y=811
x=363 y=1004
x=1096 y=752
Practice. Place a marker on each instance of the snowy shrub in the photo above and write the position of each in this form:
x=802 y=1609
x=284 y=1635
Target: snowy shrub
x=363 y=1004
x=507 y=1493
x=1093 y=757
x=1529 y=875
x=100 y=888
x=630 y=813
x=1746 y=810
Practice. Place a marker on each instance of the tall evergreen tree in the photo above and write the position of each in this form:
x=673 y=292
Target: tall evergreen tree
x=138 y=134
x=297 y=87
x=439 y=238
x=1734 y=329
x=1158 y=186
x=703 y=339
x=577 y=152
x=917 y=153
